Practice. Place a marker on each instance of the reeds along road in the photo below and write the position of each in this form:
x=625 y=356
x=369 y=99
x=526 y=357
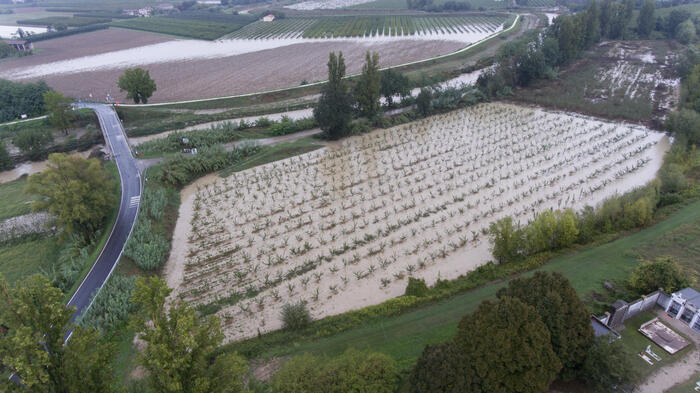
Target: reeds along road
x=128 y=210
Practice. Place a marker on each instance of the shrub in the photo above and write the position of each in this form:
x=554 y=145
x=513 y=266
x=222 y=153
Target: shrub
x=672 y=179
x=263 y=122
x=416 y=287
x=506 y=240
x=112 y=306
x=5 y=159
x=663 y=273
x=295 y=316
x=146 y=247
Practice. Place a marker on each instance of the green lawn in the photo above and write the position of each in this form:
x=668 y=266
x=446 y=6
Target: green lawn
x=635 y=342
x=20 y=260
x=14 y=201
x=275 y=153
x=404 y=337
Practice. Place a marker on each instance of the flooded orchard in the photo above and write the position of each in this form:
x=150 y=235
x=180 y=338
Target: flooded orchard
x=343 y=227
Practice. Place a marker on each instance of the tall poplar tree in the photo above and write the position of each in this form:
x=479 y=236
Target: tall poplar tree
x=333 y=112
x=368 y=88
x=646 y=21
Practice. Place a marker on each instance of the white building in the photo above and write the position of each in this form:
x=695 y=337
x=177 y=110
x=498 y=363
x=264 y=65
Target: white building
x=268 y=18
x=685 y=306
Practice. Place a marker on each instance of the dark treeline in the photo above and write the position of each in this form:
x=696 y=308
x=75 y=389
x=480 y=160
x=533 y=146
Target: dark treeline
x=21 y=98
x=538 y=55
x=430 y=6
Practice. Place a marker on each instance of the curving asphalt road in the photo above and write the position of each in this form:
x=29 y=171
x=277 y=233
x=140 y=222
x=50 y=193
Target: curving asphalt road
x=128 y=210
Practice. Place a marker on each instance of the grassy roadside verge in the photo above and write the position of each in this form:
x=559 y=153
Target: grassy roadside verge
x=99 y=244
x=404 y=336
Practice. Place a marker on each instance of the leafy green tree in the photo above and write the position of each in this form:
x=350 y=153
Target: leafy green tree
x=645 y=20
x=662 y=273
x=353 y=371
x=436 y=371
x=179 y=345
x=424 y=101
x=368 y=87
x=685 y=123
x=539 y=234
x=568 y=36
x=394 y=84
x=61 y=113
x=592 y=29
x=78 y=191
x=333 y=112
x=507 y=348
x=675 y=18
x=567 y=229
x=562 y=312
x=5 y=159
x=607 y=366
x=33 y=347
x=686 y=32
x=32 y=141
x=138 y=84
x=506 y=240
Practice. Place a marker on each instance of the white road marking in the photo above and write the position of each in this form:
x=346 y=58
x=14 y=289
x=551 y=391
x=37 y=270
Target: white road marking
x=134 y=201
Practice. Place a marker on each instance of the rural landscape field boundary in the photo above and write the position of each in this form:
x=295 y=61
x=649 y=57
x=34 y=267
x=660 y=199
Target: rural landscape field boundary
x=466 y=48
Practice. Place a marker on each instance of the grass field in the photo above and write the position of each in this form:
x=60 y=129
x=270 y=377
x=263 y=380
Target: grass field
x=14 y=200
x=404 y=337
x=22 y=259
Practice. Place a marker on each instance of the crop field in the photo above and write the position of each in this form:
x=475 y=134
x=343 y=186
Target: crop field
x=342 y=227
x=402 y=4
x=536 y=3
x=76 y=21
x=370 y=26
x=633 y=80
x=195 y=26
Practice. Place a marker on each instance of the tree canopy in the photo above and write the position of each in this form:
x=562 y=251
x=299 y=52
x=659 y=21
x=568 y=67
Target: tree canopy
x=78 y=191
x=394 y=83
x=33 y=347
x=662 y=273
x=562 y=311
x=18 y=99
x=645 y=20
x=507 y=348
x=138 y=84
x=32 y=141
x=333 y=112
x=179 y=346
x=5 y=159
x=607 y=365
x=368 y=87
x=60 y=111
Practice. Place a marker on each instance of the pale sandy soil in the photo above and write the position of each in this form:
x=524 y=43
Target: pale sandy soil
x=245 y=73
x=342 y=227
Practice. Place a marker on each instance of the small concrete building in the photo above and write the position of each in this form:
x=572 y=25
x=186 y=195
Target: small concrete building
x=20 y=45
x=685 y=306
x=268 y=18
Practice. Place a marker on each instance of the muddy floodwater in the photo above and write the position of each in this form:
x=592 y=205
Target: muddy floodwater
x=343 y=227
x=7 y=31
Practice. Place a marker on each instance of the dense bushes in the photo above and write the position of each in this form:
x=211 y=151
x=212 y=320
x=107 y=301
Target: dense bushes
x=663 y=273
x=21 y=98
x=5 y=159
x=182 y=169
x=352 y=371
x=64 y=33
x=608 y=364
x=416 y=287
x=146 y=247
x=111 y=308
x=288 y=126
x=556 y=230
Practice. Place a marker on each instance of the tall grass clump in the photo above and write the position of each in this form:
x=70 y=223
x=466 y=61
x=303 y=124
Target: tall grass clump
x=112 y=306
x=295 y=316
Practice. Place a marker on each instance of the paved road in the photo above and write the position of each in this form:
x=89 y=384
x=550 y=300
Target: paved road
x=128 y=208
